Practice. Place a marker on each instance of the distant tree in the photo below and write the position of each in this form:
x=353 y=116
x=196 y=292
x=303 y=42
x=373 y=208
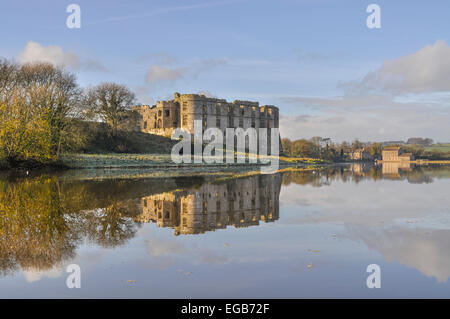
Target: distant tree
x=287 y=146
x=109 y=102
x=375 y=149
x=356 y=145
x=420 y=141
x=316 y=140
x=304 y=148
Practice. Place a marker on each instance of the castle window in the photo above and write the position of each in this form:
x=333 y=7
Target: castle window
x=241 y=122
x=253 y=122
x=167 y=112
x=185 y=119
x=218 y=205
x=145 y=124
x=218 y=122
x=159 y=113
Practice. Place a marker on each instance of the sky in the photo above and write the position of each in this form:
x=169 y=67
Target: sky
x=317 y=60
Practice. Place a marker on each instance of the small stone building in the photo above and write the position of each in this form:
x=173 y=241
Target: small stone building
x=361 y=155
x=395 y=154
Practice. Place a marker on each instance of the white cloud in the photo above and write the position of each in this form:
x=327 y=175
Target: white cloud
x=164 y=10
x=34 y=52
x=404 y=97
x=427 y=70
x=159 y=247
x=207 y=93
x=370 y=118
x=158 y=73
x=207 y=65
x=36 y=275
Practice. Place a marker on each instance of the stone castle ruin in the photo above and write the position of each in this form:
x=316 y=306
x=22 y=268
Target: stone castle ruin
x=184 y=109
x=181 y=112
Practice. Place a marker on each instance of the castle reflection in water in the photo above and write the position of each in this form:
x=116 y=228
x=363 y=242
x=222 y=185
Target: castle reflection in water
x=238 y=202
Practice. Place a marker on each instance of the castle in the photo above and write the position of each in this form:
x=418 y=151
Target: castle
x=184 y=109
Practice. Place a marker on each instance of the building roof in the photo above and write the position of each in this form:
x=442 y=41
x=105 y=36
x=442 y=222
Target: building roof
x=391 y=148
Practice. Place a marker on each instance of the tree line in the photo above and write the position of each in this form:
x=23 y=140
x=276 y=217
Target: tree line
x=317 y=147
x=41 y=106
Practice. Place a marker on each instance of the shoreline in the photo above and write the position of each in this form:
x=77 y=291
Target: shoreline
x=162 y=162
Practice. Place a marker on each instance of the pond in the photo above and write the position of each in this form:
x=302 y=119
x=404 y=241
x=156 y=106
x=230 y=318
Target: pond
x=307 y=233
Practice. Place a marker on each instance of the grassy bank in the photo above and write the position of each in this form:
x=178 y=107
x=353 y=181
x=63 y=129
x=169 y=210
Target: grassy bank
x=113 y=160
x=93 y=147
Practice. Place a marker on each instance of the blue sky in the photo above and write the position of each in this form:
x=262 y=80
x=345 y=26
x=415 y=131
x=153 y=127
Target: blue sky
x=315 y=59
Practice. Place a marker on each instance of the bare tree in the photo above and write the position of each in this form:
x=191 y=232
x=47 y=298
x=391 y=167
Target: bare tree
x=110 y=102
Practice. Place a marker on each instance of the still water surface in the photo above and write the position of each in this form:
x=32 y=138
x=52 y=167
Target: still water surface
x=294 y=234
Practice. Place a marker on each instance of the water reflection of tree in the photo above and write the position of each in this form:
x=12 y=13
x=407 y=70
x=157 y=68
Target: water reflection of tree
x=41 y=223
x=33 y=231
x=358 y=172
x=109 y=226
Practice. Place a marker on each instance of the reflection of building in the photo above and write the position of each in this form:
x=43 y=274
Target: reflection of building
x=361 y=168
x=361 y=155
x=394 y=154
x=391 y=169
x=240 y=202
